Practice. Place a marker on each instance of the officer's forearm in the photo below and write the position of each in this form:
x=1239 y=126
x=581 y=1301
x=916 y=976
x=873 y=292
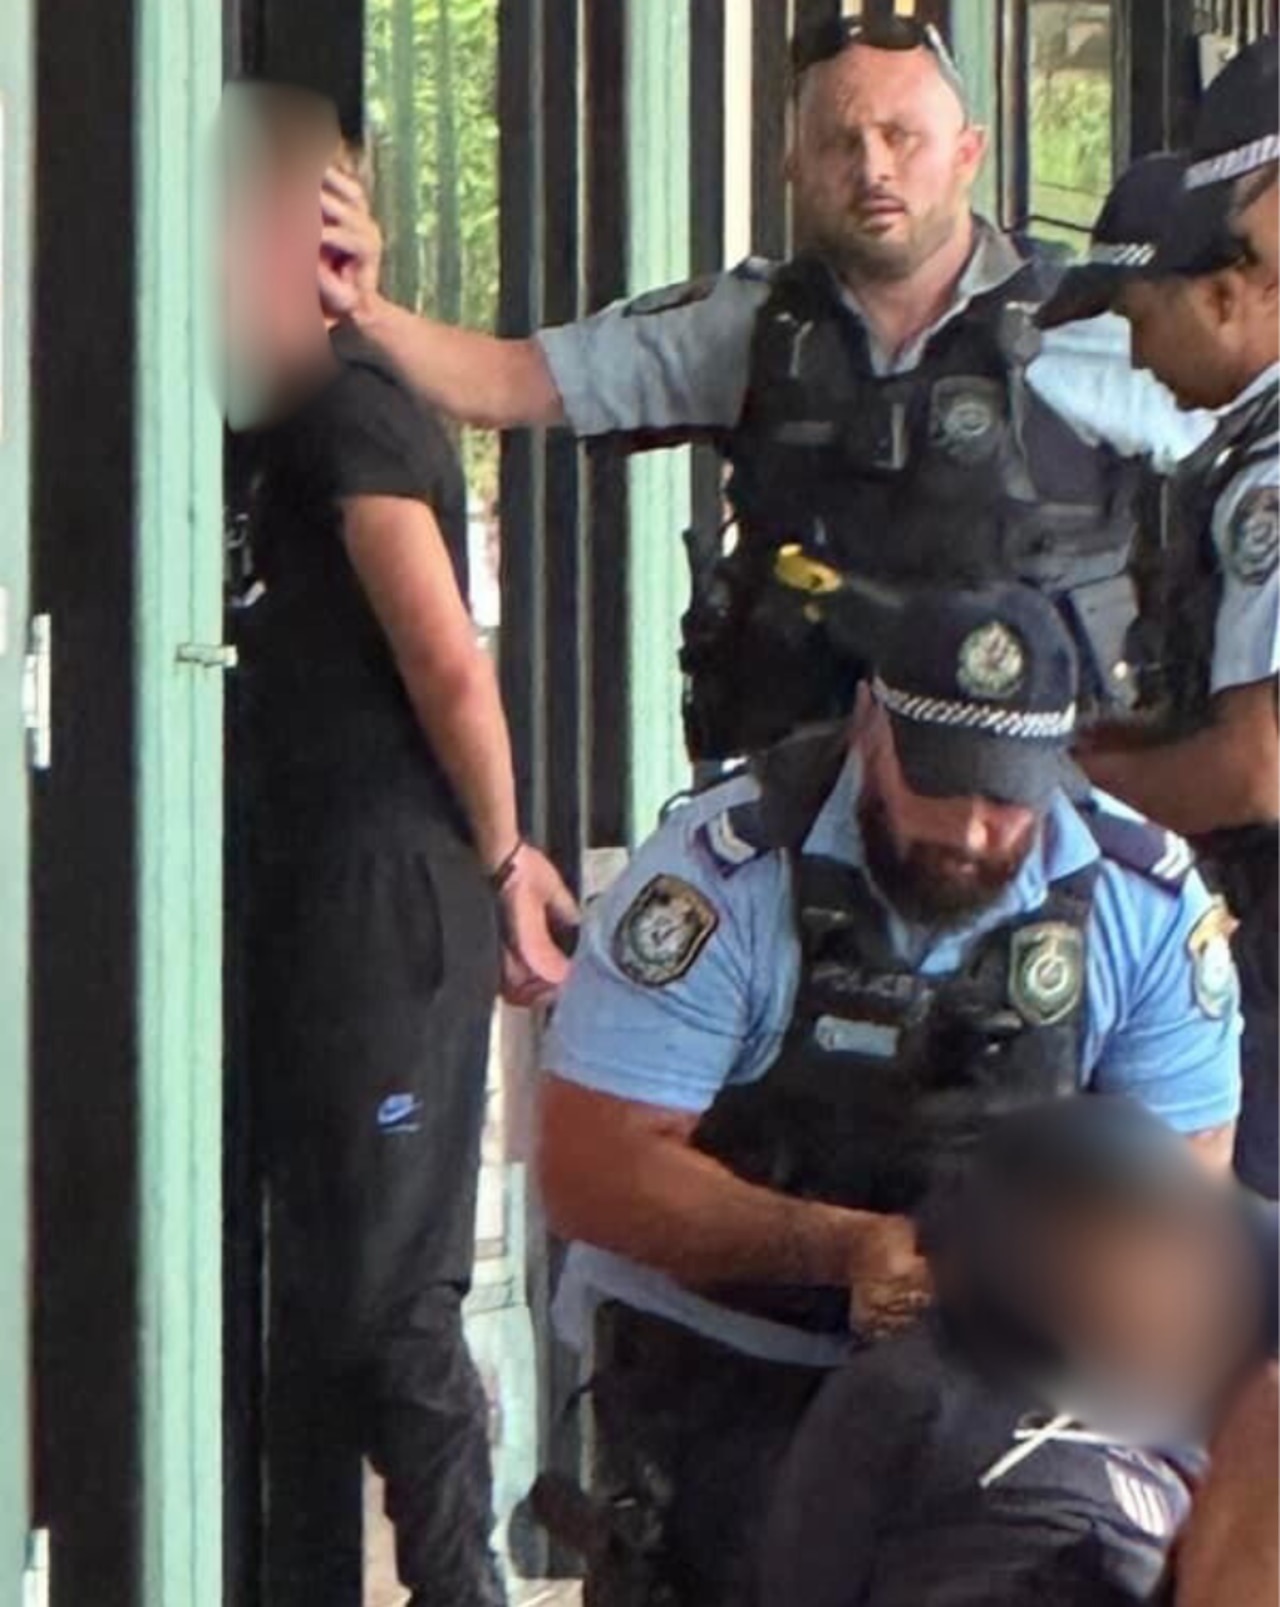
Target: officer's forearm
x=624 y=1177
x=1222 y=776
x=473 y=377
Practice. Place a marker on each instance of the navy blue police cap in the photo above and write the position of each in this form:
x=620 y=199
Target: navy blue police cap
x=1237 y=136
x=1124 y=242
x=980 y=688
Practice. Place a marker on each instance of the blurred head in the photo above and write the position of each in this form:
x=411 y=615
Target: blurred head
x=1089 y=1253
x=883 y=157
x=274 y=145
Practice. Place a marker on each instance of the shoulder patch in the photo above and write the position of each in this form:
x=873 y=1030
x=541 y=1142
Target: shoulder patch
x=1139 y=845
x=1253 y=539
x=663 y=932
x=1213 y=972
x=671 y=297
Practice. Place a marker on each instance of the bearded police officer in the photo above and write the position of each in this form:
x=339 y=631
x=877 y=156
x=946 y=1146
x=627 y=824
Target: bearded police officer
x=794 y=1008
x=1203 y=309
x=879 y=398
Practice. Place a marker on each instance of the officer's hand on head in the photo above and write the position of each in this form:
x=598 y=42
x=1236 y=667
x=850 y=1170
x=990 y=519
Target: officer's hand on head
x=350 y=246
x=888 y=1277
x=536 y=909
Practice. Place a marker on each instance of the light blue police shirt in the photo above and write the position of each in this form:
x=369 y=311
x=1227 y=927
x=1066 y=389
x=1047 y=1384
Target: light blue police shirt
x=1246 y=533
x=626 y=368
x=724 y=1020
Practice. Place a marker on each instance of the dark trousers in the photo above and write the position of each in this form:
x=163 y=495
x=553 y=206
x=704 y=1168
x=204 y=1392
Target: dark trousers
x=689 y=1437
x=373 y=968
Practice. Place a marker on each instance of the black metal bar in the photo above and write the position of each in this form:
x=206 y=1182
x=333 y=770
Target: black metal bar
x=606 y=497
x=562 y=533
x=319 y=44
x=86 y=1442
x=770 y=86
x=519 y=304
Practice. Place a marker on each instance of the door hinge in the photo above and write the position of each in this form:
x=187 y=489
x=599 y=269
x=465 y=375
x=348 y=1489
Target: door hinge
x=37 y=693
x=35 y=1581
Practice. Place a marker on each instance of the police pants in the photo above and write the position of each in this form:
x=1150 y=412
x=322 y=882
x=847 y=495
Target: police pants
x=374 y=963
x=694 y=1432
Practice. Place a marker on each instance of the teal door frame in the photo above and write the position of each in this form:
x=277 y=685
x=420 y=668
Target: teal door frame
x=180 y=664
x=16 y=190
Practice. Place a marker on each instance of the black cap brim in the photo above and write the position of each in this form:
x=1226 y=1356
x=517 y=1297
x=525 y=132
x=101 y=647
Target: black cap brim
x=1084 y=292
x=949 y=762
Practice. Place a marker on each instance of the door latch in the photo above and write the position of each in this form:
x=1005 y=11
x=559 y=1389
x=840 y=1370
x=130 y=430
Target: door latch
x=208 y=655
x=37 y=693
x=35 y=1581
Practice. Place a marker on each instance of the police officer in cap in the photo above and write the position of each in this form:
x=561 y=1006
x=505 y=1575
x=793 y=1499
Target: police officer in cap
x=792 y=1013
x=1203 y=309
x=879 y=398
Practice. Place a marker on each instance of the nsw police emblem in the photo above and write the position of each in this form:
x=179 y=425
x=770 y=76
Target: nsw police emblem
x=663 y=932
x=1213 y=971
x=965 y=420
x=1253 y=542
x=992 y=662
x=1046 y=972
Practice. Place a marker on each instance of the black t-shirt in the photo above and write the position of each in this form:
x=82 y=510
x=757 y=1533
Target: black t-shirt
x=324 y=718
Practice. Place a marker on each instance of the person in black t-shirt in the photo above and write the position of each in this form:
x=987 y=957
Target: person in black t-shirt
x=388 y=889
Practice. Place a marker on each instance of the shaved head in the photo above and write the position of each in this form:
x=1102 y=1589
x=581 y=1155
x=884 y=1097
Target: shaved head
x=882 y=163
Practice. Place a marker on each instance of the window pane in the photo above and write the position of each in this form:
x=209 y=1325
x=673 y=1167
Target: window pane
x=431 y=92
x=1069 y=116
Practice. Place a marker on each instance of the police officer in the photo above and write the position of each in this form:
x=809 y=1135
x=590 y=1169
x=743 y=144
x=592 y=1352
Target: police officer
x=879 y=398
x=1203 y=310
x=1097 y=1292
x=381 y=853
x=795 y=1009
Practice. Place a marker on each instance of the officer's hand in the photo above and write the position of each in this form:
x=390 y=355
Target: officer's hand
x=350 y=246
x=535 y=905
x=888 y=1276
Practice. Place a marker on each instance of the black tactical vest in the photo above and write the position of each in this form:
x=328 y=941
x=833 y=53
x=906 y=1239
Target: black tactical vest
x=1180 y=591
x=885 y=1076
x=1179 y=571
x=955 y=472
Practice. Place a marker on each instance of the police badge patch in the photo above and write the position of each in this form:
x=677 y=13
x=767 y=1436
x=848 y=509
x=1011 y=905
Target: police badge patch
x=671 y=297
x=1213 y=971
x=992 y=662
x=1046 y=972
x=663 y=932
x=965 y=418
x=1253 y=541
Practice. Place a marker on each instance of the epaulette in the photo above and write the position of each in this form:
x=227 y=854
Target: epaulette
x=756 y=270
x=1159 y=855
x=796 y=778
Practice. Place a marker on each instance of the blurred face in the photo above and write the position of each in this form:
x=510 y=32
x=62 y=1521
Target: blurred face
x=882 y=162
x=1205 y=338
x=938 y=861
x=272 y=325
x=1156 y=1311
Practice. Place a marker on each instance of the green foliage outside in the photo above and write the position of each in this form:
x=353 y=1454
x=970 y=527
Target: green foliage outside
x=1070 y=144
x=431 y=89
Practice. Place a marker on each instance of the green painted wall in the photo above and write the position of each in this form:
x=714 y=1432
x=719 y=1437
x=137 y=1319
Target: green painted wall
x=180 y=793
x=658 y=253
x=16 y=189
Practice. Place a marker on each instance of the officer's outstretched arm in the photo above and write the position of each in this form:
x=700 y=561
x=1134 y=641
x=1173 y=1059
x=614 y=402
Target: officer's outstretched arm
x=1225 y=775
x=474 y=378
x=625 y=1177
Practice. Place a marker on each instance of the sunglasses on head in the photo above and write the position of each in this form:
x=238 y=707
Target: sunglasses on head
x=822 y=41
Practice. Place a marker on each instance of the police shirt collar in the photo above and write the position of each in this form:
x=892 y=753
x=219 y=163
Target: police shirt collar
x=1259 y=387
x=1065 y=846
x=992 y=262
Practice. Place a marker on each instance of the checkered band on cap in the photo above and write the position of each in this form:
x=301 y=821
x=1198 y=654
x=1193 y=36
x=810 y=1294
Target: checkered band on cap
x=1233 y=164
x=1124 y=254
x=1028 y=726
